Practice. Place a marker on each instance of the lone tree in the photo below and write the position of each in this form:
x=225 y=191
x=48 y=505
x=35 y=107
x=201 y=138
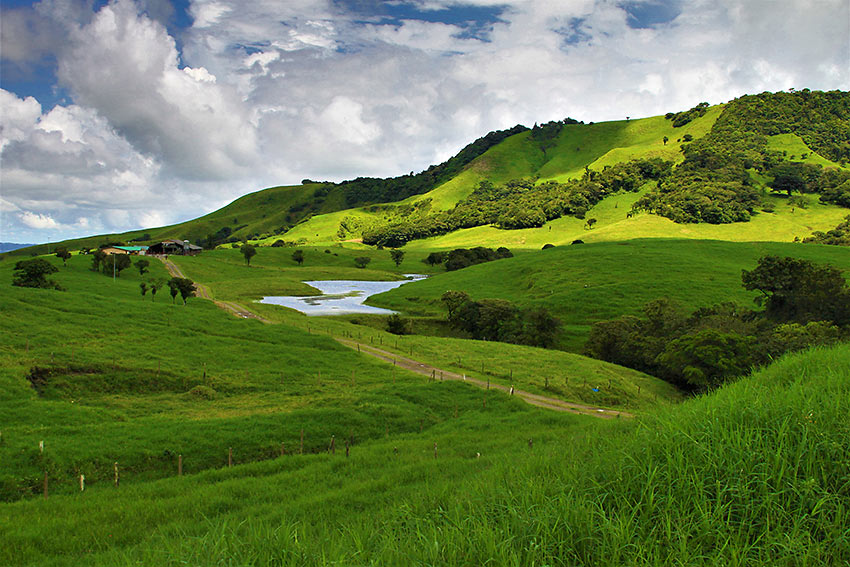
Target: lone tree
x=142 y=266
x=119 y=262
x=143 y=287
x=249 y=251
x=298 y=257
x=665 y=140
x=184 y=286
x=361 y=261
x=397 y=256
x=589 y=224
x=63 y=254
x=33 y=273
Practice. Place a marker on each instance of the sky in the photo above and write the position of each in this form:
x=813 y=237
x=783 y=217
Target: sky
x=125 y=114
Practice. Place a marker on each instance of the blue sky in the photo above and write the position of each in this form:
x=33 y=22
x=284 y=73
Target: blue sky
x=135 y=113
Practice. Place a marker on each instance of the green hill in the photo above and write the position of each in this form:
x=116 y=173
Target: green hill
x=585 y=283
x=724 y=159
x=752 y=474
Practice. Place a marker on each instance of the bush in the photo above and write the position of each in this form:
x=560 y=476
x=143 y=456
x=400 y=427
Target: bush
x=201 y=393
x=362 y=261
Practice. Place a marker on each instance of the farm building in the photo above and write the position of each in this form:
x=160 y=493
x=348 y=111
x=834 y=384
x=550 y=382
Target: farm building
x=179 y=247
x=133 y=250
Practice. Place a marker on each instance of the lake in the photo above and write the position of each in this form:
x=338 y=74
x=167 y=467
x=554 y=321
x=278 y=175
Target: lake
x=340 y=297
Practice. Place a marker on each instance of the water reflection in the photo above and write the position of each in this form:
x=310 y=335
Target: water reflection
x=340 y=297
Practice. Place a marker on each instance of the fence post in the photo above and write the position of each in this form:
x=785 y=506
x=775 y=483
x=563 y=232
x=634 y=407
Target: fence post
x=116 y=474
x=530 y=443
x=179 y=465
x=435 y=449
x=230 y=456
x=333 y=445
x=82 y=482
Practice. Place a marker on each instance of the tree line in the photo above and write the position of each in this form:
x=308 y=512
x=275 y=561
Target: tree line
x=521 y=203
x=803 y=304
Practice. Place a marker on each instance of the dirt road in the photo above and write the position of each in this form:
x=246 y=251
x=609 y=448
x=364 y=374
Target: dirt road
x=414 y=365
x=204 y=292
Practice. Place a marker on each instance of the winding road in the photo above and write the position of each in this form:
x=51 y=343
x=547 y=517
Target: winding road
x=416 y=366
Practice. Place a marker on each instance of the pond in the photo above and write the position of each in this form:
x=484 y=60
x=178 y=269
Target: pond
x=340 y=297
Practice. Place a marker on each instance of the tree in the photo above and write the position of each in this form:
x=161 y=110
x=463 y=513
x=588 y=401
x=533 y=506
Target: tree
x=249 y=251
x=33 y=273
x=665 y=139
x=63 y=254
x=435 y=258
x=540 y=328
x=397 y=256
x=397 y=324
x=154 y=287
x=361 y=261
x=707 y=358
x=298 y=257
x=788 y=177
x=142 y=265
x=453 y=300
x=98 y=257
x=796 y=290
x=143 y=287
x=589 y=224
x=184 y=286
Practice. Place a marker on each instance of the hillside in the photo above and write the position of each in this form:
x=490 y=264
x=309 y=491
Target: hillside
x=725 y=161
x=582 y=284
x=754 y=473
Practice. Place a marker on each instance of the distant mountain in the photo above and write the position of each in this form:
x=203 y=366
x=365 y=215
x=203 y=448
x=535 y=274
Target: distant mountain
x=9 y=246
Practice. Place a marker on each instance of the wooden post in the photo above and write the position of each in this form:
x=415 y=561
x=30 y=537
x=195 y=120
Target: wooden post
x=205 y=373
x=45 y=485
x=358 y=347
x=488 y=383
x=230 y=456
x=41 y=446
x=346 y=448
x=547 y=383
x=441 y=375
x=638 y=389
x=332 y=448
x=179 y=465
x=435 y=449
x=82 y=482
x=302 y=440
x=116 y=474
x=530 y=443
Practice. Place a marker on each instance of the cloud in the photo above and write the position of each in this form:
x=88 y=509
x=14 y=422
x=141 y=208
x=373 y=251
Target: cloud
x=37 y=221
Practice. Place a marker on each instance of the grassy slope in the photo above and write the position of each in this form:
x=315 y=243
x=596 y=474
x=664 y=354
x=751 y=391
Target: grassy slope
x=577 y=146
x=570 y=376
x=754 y=474
x=586 y=283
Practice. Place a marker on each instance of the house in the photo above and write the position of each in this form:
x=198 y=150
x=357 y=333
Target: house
x=133 y=250
x=179 y=247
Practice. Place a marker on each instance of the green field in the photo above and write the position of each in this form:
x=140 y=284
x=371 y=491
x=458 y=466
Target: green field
x=585 y=283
